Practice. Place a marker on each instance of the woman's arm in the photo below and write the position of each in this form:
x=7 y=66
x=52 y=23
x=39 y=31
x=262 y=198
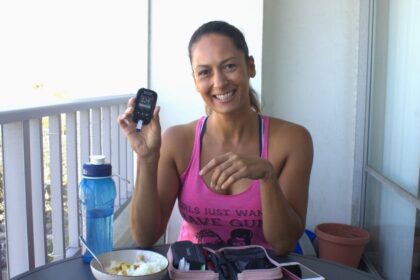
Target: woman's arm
x=150 y=205
x=285 y=195
x=154 y=196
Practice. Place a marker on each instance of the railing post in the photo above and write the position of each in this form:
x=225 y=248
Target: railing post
x=115 y=140
x=122 y=162
x=38 y=193
x=72 y=183
x=84 y=131
x=96 y=136
x=56 y=187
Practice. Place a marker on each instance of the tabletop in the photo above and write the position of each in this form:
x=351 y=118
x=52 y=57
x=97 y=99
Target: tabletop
x=75 y=268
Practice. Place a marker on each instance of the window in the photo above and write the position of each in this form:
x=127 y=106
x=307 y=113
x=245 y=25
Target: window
x=392 y=189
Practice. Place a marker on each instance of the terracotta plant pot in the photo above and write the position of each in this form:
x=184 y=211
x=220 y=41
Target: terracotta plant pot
x=341 y=243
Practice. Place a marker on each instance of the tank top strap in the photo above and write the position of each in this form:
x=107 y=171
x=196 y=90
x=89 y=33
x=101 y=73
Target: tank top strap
x=264 y=136
x=201 y=128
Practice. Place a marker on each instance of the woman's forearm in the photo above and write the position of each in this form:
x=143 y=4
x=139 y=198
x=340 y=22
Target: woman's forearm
x=282 y=225
x=145 y=212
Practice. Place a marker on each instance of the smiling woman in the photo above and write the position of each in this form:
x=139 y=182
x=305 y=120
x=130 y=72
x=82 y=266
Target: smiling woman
x=240 y=177
x=53 y=51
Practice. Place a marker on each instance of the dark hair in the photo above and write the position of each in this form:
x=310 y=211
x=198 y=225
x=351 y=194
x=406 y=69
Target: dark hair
x=221 y=28
x=225 y=29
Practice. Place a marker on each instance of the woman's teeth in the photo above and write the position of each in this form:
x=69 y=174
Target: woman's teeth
x=224 y=96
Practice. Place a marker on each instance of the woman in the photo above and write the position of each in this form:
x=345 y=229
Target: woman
x=240 y=177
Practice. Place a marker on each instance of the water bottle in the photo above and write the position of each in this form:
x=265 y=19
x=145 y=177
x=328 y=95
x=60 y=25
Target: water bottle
x=97 y=194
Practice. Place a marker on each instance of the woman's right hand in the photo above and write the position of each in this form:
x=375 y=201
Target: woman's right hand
x=146 y=142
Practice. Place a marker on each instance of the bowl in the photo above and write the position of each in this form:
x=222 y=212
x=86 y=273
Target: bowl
x=128 y=256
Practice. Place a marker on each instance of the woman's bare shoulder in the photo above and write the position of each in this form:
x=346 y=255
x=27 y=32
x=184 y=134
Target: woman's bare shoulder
x=289 y=134
x=178 y=133
x=178 y=140
x=279 y=125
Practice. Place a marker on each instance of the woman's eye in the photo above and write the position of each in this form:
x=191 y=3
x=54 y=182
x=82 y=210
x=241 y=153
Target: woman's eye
x=203 y=73
x=230 y=67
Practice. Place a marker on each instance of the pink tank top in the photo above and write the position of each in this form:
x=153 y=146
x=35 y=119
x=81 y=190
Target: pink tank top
x=212 y=218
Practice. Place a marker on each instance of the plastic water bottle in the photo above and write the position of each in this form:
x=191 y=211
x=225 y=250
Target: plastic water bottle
x=97 y=194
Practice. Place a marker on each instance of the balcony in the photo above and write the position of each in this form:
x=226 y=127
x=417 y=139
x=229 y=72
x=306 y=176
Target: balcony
x=41 y=153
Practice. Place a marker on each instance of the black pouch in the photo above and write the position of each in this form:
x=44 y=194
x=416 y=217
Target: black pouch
x=248 y=258
x=191 y=253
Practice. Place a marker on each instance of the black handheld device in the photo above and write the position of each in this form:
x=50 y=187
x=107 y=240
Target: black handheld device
x=144 y=106
x=188 y=256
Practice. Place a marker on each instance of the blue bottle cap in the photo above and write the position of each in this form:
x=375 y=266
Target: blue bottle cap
x=97 y=167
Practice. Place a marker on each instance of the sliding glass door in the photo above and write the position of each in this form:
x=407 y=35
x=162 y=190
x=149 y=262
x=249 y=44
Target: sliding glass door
x=392 y=185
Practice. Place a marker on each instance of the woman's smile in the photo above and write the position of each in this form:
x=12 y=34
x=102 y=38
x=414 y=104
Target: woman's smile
x=225 y=97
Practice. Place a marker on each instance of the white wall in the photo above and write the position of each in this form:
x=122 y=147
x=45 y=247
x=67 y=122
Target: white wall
x=310 y=77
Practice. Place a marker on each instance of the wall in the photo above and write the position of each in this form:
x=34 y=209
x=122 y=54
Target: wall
x=310 y=77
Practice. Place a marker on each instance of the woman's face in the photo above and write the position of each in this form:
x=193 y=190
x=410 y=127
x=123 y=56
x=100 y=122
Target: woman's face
x=221 y=73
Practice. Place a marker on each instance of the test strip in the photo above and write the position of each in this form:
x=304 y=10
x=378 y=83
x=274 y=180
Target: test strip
x=139 y=125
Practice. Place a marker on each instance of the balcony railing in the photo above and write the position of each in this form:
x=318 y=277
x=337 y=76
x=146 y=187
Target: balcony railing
x=41 y=151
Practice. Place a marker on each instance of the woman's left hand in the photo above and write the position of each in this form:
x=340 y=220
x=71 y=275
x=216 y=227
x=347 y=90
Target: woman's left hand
x=230 y=167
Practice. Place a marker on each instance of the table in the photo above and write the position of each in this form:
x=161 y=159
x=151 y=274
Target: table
x=74 y=268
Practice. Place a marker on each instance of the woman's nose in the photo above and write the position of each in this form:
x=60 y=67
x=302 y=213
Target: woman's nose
x=219 y=79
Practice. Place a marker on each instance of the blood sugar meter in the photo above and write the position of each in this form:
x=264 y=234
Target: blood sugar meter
x=144 y=106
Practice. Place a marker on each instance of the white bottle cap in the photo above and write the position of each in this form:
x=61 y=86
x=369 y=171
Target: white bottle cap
x=97 y=159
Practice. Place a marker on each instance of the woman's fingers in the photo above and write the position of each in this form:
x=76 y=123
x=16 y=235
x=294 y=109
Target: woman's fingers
x=131 y=102
x=227 y=169
x=230 y=167
x=156 y=113
x=124 y=120
x=228 y=176
x=128 y=113
x=156 y=120
x=213 y=163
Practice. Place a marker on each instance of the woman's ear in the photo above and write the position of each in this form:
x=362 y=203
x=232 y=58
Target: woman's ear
x=251 y=67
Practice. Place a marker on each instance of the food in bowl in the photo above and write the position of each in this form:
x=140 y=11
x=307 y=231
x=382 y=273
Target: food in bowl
x=127 y=261
x=139 y=267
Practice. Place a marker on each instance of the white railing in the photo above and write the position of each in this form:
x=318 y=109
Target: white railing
x=57 y=139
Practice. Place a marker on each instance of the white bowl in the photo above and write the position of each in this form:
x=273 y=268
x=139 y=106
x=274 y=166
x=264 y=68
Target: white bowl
x=128 y=256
